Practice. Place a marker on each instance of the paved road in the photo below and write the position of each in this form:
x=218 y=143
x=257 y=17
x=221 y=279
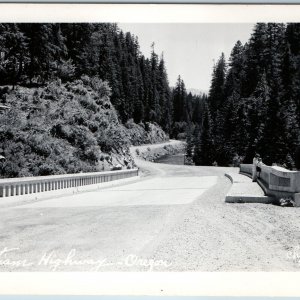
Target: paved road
x=172 y=219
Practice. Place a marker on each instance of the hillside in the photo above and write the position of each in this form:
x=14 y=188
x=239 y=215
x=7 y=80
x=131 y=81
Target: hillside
x=66 y=128
x=61 y=120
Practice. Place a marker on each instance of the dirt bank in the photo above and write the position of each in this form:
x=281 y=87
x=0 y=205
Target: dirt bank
x=150 y=153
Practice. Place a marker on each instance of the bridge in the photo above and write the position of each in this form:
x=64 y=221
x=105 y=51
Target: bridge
x=273 y=185
x=175 y=215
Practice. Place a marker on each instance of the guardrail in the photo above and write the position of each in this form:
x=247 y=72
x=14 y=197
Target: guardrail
x=31 y=185
x=246 y=168
x=276 y=178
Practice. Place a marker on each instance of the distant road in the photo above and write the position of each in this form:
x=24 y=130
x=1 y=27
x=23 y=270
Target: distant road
x=175 y=215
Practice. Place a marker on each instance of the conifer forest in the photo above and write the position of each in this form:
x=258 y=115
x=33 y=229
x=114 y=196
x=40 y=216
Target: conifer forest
x=77 y=93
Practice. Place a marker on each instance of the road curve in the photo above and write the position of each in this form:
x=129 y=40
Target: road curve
x=172 y=219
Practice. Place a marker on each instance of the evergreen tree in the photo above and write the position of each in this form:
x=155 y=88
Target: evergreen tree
x=14 y=53
x=254 y=63
x=257 y=108
x=204 y=146
x=216 y=94
x=43 y=51
x=179 y=101
x=235 y=73
x=165 y=101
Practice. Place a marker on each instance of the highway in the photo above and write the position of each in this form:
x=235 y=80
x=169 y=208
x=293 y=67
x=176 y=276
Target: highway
x=172 y=218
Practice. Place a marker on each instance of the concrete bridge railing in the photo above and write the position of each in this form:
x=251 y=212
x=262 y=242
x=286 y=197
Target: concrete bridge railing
x=31 y=185
x=246 y=168
x=277 y=181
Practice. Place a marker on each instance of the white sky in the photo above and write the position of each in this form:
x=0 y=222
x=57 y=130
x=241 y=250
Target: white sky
x=189 y=49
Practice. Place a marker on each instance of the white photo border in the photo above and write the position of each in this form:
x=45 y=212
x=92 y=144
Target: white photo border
x=150 y=283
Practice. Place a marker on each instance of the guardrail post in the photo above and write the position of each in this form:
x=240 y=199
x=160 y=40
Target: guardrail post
x=13 y=190
x=29 y=188
x=7 y=191
x=17 y=190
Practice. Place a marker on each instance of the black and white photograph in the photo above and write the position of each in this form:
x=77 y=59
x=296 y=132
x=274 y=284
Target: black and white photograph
x=150 y=147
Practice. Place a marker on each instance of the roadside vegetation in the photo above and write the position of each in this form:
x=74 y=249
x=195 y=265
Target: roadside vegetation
x=66 y=128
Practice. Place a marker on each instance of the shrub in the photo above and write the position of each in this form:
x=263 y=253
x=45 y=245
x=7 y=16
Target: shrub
x=36 y=97
x=53 y=90
x=61 y=135
x=130 y=124
x=66 y=70
x=86 y=80
x=101 y=87
x=61 y=131
x=48 y=168
x=78 y=87
x=181 y=136
x=286 y=202
x=88 y=103
x=92 y=153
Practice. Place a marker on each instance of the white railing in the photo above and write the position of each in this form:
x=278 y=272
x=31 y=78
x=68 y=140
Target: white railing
x=30 y=185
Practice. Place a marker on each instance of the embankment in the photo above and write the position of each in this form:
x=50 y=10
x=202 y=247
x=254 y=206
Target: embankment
x=153 y=152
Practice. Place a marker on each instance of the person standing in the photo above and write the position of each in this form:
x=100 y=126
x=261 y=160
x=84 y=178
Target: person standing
x=259 y=166
x=256 y=160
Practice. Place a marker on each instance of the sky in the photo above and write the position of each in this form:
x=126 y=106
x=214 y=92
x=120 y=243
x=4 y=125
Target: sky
x=190 y=50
